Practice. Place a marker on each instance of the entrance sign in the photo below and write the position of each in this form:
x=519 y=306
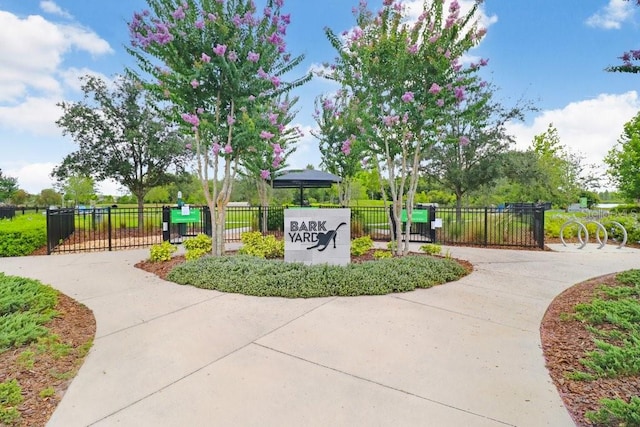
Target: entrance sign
x=317 y=236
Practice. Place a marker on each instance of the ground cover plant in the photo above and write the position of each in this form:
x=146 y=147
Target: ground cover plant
x=251 y=275
x=591 y=339
x=44 y=337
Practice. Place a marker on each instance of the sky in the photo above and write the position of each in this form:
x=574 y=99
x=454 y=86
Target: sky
x=552 y=53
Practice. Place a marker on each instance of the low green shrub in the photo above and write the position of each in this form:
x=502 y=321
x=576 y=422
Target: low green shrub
x=431 y=249
x=10 y=398
x=361 y=245
x=25 y=306
x=616 y=412
x=255 y=244
x=22 y=235
x=197 y=247
x=162 y=251
x=382 y=254
x=250 y=275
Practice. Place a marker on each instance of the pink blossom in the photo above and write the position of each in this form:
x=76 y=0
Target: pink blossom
x=228 y=149
x=262 y=74
x=195 y=83
x=199 y=24
x=232 y=56
x=412 y=48
x=463 y=141
x=275 y=80
x=273 y=118
x=346 y=147
x=266 y=135
x=251 y=98
x=279 y=3
x=435 y=89
x=205 y=58
x=253 y=57
x=265 y=174
x=276 y=162
x=230 y=120
x=277 y=150
x=200 y=110
x=407 y=97
x=440 y=102
x=178 y=14
x=434 y=38
x=459 y=93
x=212 y=17
x=216 y=148
x=188 y=146
x=191 y=119
x=220 y=49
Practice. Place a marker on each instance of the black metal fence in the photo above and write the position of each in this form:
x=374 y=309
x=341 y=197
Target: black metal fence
x=491 y=227
x=95 y=229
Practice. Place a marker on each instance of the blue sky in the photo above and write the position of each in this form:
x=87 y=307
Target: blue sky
x=548 y=51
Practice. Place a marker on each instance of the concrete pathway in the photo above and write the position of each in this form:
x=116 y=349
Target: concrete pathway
x=462 y=354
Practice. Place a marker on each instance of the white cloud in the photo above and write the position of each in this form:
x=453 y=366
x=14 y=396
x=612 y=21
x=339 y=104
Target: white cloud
x=612 y=16
x=307 y=151
x=51 y=7
x=35 y=116
x=33 y=50
x=33 y=177
x=590 y=127
x=71 y=77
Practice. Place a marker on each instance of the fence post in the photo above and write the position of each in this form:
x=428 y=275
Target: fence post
x=538 y=226
x=109 y=225
x=166 y=223
x=432 y=219
x=486 y=226
x=393 y=224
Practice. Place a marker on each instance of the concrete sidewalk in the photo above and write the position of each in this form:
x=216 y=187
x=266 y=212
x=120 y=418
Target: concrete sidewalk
x=462 y=354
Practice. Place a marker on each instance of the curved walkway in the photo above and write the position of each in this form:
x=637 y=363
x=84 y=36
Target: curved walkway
x=462 y=354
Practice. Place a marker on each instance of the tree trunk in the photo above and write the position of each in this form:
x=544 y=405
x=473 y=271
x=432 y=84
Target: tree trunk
x=140 y=198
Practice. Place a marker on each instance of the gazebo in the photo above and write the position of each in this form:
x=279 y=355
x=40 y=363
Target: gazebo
x=306 y=178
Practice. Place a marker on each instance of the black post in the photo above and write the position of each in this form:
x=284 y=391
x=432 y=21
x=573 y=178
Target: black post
x=166 y=223
x=393 y=224
x=109 y=225
x=432 y=219
x=486 y=224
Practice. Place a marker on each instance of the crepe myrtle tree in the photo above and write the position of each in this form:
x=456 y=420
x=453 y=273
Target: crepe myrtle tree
x=341 y=149
x=404 y=78
x=273 y=127
x=629 y=58
x=218 y=63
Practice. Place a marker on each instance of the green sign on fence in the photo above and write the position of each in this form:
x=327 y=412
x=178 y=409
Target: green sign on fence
x=417 y=216
x=179 y=216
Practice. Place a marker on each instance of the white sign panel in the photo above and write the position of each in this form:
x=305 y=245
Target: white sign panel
x=317 y=236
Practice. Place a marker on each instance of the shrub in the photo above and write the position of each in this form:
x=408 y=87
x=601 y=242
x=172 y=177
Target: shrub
x=616 y=412
x=162 y=252
x=254 y=243
x=254 y=276
x=22 y=235
x=10 y=397
x=382 y=254
x=361 y=245
x=275 y=219
x=197 y=247
x=431 y=249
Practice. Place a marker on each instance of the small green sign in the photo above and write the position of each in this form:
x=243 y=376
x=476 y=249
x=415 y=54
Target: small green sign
x=177 y=216
x=584 y=202
x=417 y=216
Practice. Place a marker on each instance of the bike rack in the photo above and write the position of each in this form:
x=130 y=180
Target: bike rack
x=582 y=228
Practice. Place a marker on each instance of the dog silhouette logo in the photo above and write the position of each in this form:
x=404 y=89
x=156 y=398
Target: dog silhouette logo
x=325 y=238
